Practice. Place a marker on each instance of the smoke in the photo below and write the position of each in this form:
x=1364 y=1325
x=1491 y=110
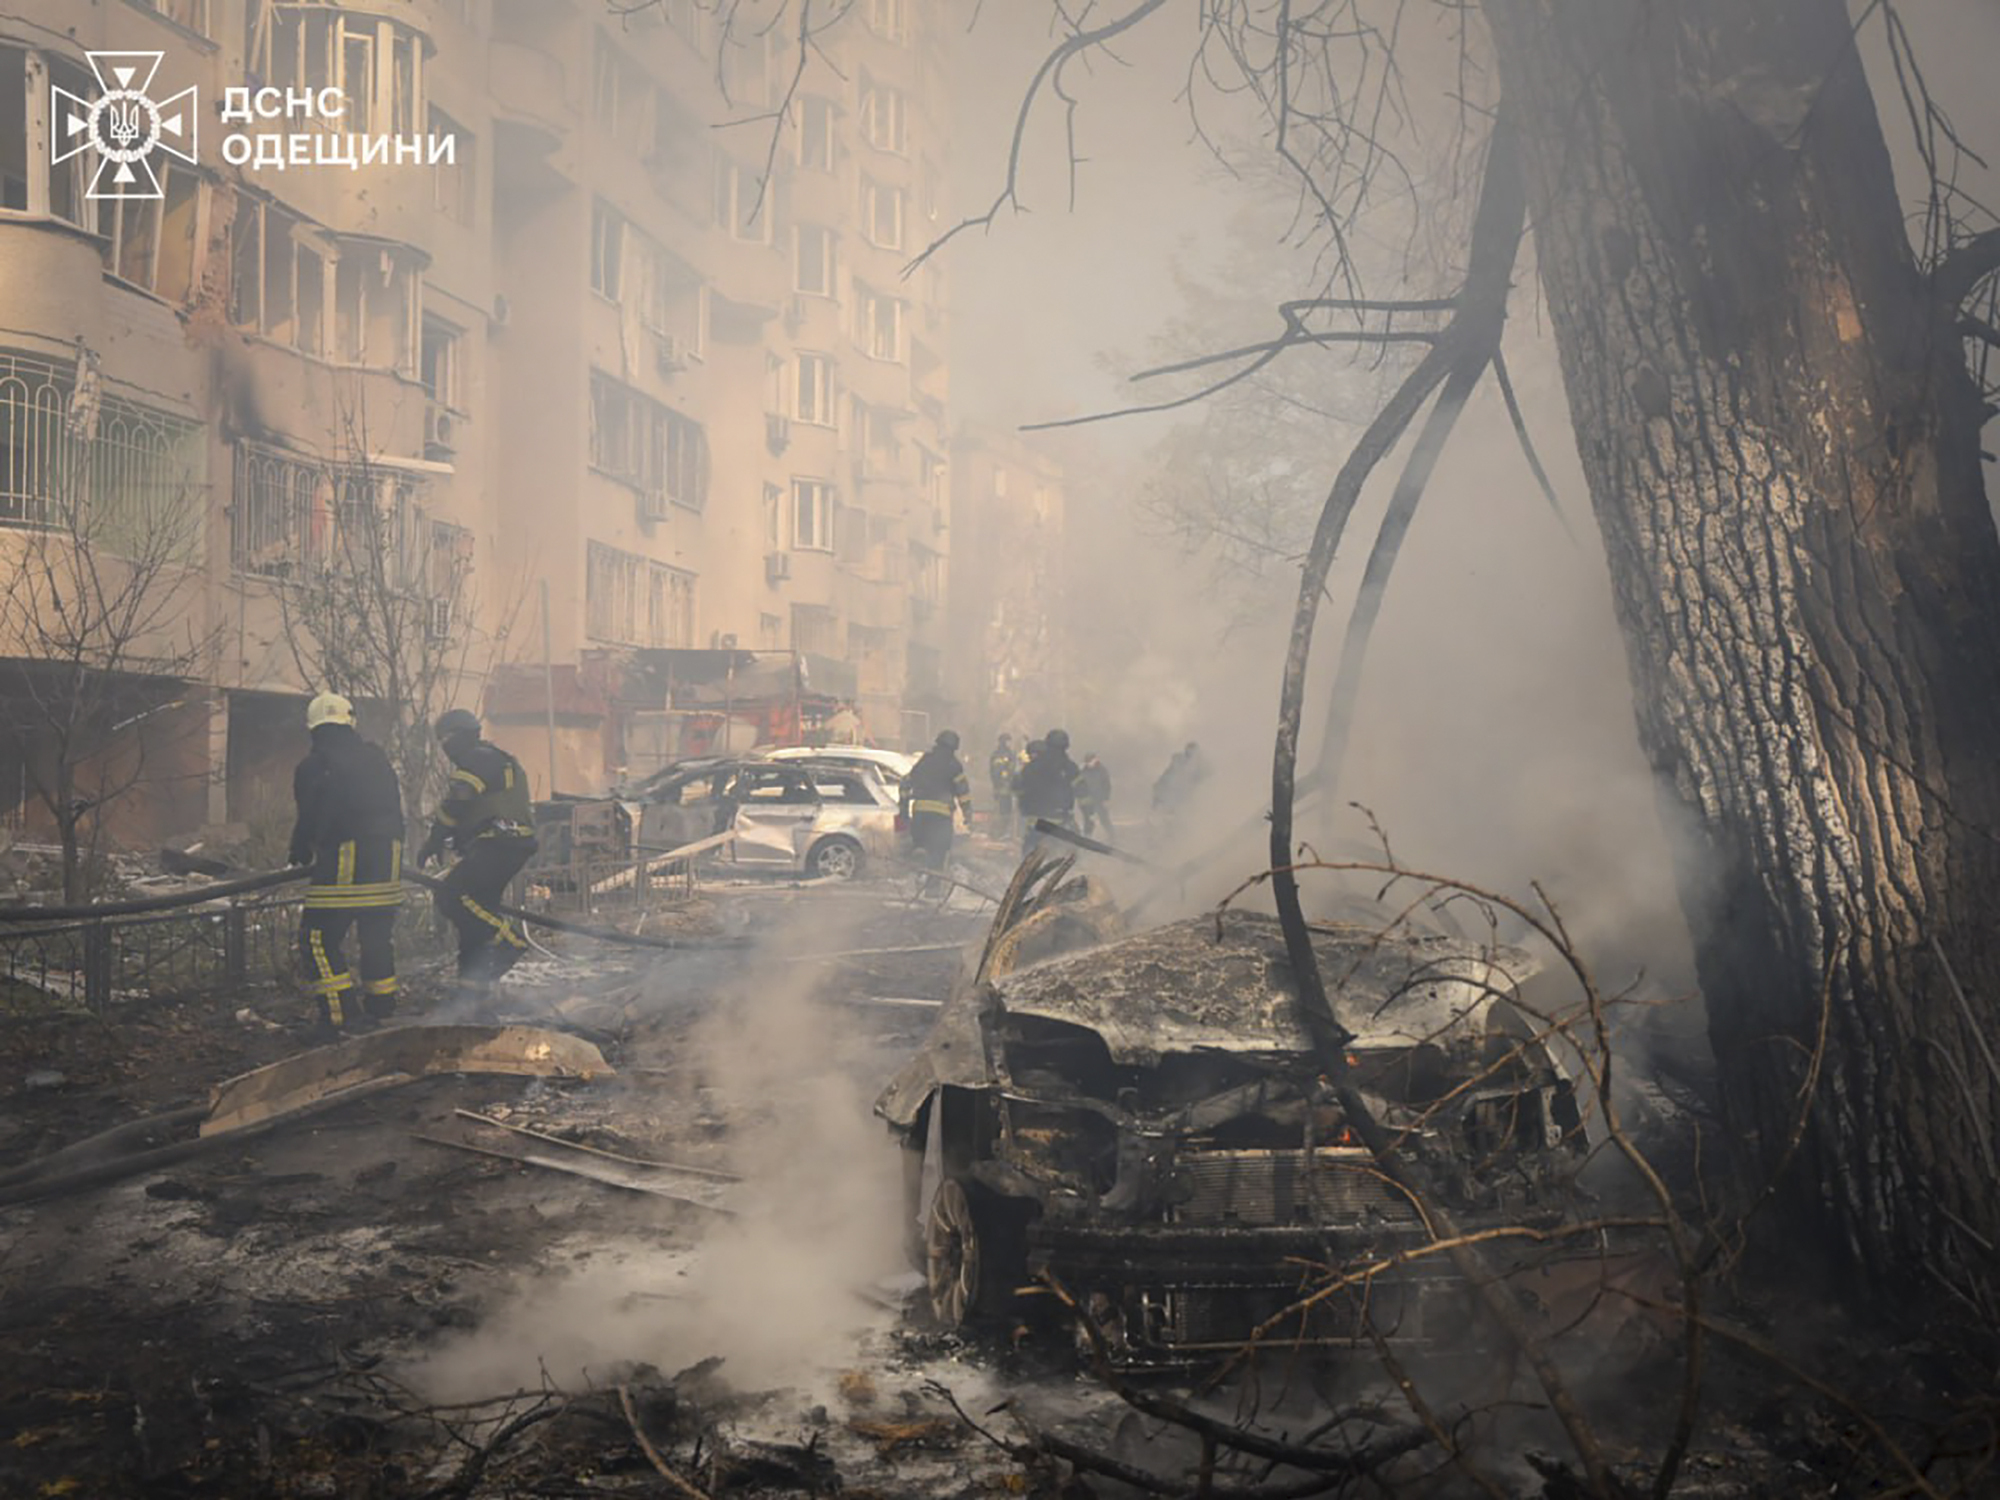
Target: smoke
x=772 y=1289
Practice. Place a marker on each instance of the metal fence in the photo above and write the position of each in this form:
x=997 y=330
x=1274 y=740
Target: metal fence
x=118 y=960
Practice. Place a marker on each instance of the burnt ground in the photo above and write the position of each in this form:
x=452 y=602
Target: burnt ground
x=347 y=1307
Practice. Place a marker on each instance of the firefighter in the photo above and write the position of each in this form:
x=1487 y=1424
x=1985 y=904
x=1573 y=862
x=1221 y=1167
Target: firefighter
x=1001 y=768
x=1093 y=796
x=935 y=782
x=487 y=820
x=350 y=830
x=1046 y=787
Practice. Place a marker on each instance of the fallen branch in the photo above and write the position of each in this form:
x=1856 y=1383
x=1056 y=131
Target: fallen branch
x=653 y=1457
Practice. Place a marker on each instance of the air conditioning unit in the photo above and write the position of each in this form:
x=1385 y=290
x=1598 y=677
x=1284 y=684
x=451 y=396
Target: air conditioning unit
x=440 y=433
x=652 y=504
x=722 y=640
x=777 y=566
x=669 y=357
x=438 y=625
x=777 y=432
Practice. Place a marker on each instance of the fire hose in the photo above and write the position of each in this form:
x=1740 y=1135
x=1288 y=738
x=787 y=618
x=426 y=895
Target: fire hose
x=270 y=879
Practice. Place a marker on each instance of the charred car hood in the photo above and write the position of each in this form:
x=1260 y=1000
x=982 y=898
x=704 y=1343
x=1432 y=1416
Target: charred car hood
x=1223 y=984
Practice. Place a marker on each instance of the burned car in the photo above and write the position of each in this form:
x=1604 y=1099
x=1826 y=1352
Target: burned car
x=1145 y=1121
x=820 y=818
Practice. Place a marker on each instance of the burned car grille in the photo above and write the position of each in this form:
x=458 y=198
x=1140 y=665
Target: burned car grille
x=1333 y=1185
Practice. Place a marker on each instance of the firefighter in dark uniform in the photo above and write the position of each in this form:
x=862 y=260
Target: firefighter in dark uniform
x=934 y=783
x=1047 y=787
x=1002 y=766
x=350 y=830
x=489 y=822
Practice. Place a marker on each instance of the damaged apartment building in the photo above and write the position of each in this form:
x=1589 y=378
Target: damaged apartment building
x=637 y=425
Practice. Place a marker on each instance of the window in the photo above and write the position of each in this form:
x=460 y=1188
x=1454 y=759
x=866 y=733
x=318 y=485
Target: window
x=882 y=118
x=134 y=468
x=69 y=181
x=816 y=133
x=639 y=442
x=438 y=365
x=740 y=204
x=669 y=606
x=770 y=633
x=611 y=595
x=631 y=600
x=673 y=300
x=882 y=213
x=813 y=392
x=607 y=249
x=375 y=309
x=881 y=326
x=890 y=19
x=812 y=515
x=290 y=515
x=606 y=83
x=774 y=528
x=812 y=260
x=453 y=180
x=193 y=14
x=14 y=128
x=150 y=242
x=815 y=630
x=376 y=64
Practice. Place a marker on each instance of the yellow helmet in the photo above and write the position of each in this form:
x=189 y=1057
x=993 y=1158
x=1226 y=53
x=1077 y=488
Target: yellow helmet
x=329 y=708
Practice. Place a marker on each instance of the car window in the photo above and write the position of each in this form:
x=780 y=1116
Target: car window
x=773 y=785
x=834 y=787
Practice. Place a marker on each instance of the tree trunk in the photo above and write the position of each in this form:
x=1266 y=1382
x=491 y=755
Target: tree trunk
x=1780 y=440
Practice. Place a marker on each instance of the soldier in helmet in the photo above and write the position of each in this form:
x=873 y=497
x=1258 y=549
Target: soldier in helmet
x=934 y=784
x=489 y=823
x=350 y=831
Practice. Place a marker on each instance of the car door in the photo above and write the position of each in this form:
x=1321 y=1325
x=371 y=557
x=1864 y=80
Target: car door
x=775 y=809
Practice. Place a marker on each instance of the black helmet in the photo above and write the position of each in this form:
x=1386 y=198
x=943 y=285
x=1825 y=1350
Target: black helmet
x=1056 y=739
x=454 y=722
x=948 y=739
x=1035 y=748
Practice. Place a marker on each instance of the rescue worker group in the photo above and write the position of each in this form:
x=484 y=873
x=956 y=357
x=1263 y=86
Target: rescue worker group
x=349 y=833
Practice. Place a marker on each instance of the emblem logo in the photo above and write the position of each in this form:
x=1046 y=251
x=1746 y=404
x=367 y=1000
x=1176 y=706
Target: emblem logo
x=124 y=125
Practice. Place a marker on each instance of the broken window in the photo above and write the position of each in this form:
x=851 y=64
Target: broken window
x=69 y=181
x=438 y=369
x=13 y=128
x=639 y=442
x=290 y=514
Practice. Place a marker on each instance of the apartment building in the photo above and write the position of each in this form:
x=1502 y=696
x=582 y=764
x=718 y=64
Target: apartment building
x=1007 y=615
x=627 y=383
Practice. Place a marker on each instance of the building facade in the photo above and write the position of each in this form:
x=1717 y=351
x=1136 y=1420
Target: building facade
x=632 y=369
x=1007 y=614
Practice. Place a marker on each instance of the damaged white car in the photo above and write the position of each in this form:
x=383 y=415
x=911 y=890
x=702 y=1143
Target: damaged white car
x=1144 y=1122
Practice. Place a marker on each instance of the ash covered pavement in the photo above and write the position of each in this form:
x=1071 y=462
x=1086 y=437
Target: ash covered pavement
x=356 y=1302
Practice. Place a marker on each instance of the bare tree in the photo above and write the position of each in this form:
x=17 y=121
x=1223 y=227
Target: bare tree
x=102 y=610
x=381 y=606
x=1771 y=397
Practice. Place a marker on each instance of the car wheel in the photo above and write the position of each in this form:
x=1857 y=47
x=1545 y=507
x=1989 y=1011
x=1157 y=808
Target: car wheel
x=834 y=859
x=974 y=1254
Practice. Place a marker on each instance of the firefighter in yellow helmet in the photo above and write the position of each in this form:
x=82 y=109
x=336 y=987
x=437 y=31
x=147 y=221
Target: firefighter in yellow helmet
x=350 y=830
x=489 y=822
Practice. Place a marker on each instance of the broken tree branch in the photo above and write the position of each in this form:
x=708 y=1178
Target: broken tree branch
x=653 y=1456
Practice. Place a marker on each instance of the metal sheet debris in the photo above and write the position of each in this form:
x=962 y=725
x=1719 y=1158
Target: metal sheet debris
x=415 y=1051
